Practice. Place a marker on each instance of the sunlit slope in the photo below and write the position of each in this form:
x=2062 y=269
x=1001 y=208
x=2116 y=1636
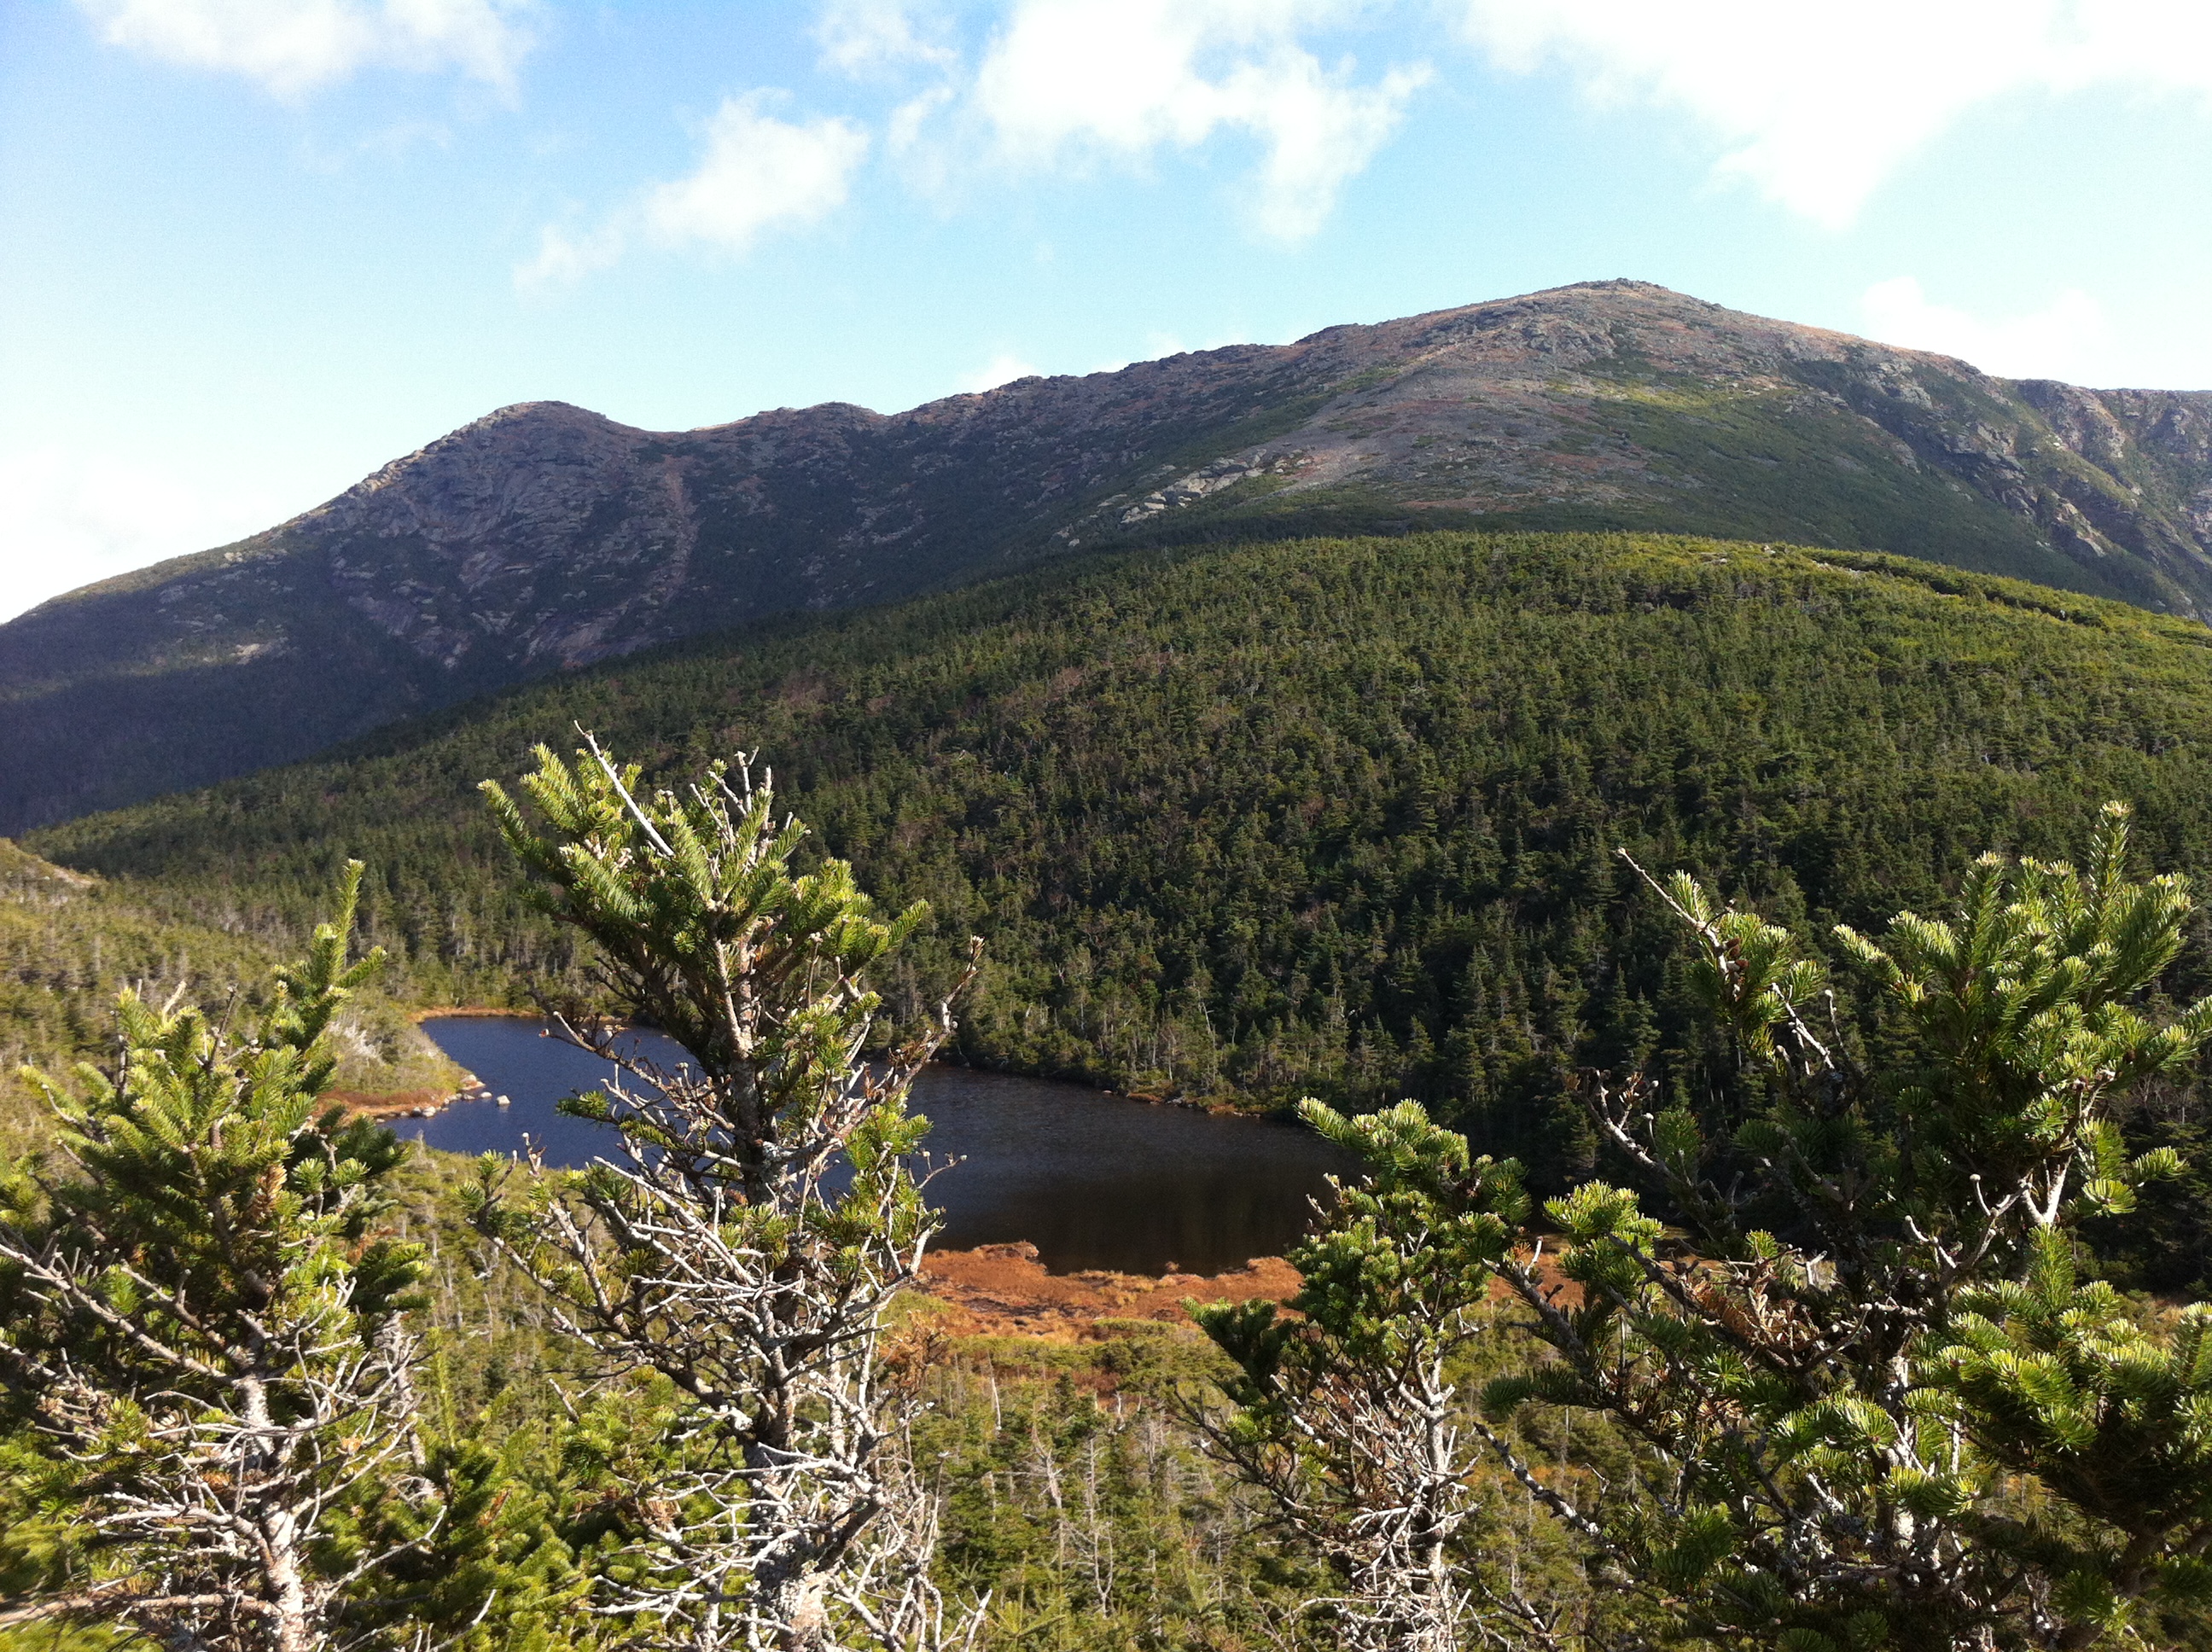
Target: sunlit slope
x=69 y=944
x=544 y=538
x=1326 y=816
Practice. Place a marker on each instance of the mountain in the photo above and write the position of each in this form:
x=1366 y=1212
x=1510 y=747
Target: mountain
x=544 y=538
x=1332 y=817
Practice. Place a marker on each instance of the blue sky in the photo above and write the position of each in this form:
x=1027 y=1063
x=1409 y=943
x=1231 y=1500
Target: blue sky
x=250 y=251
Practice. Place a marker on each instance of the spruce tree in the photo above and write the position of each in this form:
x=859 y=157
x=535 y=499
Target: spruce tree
x=202 y=1326
x=1867 y=1395
x=1345 y=1415
x=764 y=1206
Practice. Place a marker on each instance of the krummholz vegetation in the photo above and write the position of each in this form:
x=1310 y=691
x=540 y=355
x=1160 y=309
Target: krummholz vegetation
x=205 y=1336
x=1349 y=1418
x=1865 y=1395
x=766 y=1210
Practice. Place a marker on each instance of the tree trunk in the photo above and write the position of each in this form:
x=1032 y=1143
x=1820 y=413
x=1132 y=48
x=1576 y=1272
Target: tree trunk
x=288 y=1588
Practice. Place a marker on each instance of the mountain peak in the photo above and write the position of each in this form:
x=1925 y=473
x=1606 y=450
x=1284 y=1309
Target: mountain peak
x=545 y=536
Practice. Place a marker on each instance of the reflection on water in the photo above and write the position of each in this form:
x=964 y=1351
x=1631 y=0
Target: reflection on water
x=1090 y=1179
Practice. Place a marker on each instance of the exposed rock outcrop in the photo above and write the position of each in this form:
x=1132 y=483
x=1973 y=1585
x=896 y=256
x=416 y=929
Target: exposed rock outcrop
x=543 y=537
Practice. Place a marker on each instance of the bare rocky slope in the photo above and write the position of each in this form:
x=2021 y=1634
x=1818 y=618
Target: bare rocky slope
x=545 y=536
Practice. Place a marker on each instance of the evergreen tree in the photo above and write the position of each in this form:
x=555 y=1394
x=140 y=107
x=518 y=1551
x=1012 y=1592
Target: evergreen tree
x=1345 y=1415
x=203 y=1328
x=1867 y=1397
x=765 y=1212
x=1881 y=1406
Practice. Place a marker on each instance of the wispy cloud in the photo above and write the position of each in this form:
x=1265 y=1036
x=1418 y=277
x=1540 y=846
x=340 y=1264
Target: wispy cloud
x=1816 y=104
x=865 y=38
x=2065 y=339
x=1001 y=369
x=1065 y=82
x=293 y=46
x=567 y=254
x=757 y=174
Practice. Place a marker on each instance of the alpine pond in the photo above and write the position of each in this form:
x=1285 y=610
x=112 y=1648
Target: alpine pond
x=1093 y=1181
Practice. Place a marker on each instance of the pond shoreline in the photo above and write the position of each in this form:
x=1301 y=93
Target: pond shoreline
x=1141 y=1190
x=1005 y=1289
x=426 y=1104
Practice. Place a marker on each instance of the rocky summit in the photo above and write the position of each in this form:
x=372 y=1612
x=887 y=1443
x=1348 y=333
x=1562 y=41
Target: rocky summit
x=545 y=536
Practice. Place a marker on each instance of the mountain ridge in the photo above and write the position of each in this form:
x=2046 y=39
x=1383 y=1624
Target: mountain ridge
x=545 y=536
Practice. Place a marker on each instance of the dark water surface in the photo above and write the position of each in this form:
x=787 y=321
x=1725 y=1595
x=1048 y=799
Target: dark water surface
x=1091 y=1181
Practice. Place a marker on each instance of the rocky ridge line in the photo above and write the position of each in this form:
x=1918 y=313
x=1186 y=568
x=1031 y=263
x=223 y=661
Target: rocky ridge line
x=546 y=538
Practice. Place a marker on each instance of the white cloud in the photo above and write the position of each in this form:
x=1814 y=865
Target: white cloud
x=1320 y=136
x=1001 y=369
x=1816 y=102
x=291 y=46
x=903 y=130
x=1068 y=79
x=874 y=37
x=68 y=519
x=569 y=255
x=2068 y=339
x=1060 y=83
x=758 y=174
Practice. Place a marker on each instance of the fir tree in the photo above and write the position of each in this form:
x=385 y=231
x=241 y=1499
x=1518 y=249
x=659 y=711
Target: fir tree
x=765 y=1209
x=1868 y=1398
x=1879 y=1407
x=1345 y=1415
x=203 y=1328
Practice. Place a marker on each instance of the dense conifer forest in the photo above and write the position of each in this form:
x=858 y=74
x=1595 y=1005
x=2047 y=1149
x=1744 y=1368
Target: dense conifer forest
x=1337 y=818
x=1332 y=817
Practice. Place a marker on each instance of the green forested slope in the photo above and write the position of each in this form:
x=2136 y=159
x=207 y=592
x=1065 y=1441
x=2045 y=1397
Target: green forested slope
x=67 y=946
x=70 y=943
x=1332 y=816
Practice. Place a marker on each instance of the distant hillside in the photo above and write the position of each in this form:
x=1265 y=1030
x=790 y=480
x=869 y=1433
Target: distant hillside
x=71 y=943
x=1332 y=817
x=544 y=538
